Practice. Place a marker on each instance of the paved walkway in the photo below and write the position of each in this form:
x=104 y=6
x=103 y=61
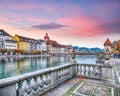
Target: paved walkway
x=67 y=85
x=62 y=88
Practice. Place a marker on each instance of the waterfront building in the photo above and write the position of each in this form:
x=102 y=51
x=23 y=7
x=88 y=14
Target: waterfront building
x=115 y=45
x=43 y=46
x=52 y=46
x=7 y=41
x=22 y=43
x=11 y=44
x=107 y=46
x=63 y=49
x=28 y=44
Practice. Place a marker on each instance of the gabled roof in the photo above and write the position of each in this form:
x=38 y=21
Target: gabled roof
x=4 y=33
x=107 y=43
x=53 y=43
x=26 y=39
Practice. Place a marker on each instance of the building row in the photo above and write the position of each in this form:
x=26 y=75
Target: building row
x=30 y=45
x=113 y=47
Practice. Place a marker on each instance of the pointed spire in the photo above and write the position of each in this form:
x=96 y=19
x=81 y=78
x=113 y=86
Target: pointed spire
x=107 y=42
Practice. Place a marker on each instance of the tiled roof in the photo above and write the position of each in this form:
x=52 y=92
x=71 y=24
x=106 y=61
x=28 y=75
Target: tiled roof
x=107 y=43
x=4 y=33
x=26 y=39
x=62 y=46
x=41 y=40
x=53 y=43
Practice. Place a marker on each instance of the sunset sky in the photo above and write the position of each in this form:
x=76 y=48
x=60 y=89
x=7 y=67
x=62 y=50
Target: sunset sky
x=78 y=22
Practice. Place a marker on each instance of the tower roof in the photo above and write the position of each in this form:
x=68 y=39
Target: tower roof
x=46 y=37
x=107 y=42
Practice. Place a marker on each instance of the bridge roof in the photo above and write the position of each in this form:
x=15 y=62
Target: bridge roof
x=107 y=42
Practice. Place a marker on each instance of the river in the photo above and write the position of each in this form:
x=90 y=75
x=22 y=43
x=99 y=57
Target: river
x=10 y=67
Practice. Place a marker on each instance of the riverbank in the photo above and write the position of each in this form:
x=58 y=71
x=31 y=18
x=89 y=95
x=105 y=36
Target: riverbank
x=22 y=56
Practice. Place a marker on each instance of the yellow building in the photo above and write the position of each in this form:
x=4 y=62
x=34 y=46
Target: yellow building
x=22 y=43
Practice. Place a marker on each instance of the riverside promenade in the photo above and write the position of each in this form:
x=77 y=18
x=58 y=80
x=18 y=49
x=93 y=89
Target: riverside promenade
x=79 y=86
x=67 y=80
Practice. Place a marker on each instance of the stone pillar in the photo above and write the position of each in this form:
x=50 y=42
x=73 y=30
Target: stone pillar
x=53 y=76
x=107 y=67
x=73 y=70
x=8 y=90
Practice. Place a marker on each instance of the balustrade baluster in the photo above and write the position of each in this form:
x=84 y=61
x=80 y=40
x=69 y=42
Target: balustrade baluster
x=80 y=70
x=84 y=70
x=45 y=81
x=93 y=70
x=62 y=72
x=28 y=87
x=58 y=75
x=68 y=71
x=20 y=91
x=35 y=86
x=41 y=85
x=48 y=79
x=89 y=71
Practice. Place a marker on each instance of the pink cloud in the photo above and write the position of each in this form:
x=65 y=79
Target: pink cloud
x=89 y=27
x=81 y=25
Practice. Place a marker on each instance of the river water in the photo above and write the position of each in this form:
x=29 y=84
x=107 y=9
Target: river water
x=10 y=67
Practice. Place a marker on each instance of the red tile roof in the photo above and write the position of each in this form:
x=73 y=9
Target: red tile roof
x=53 y=43
x=107 y=43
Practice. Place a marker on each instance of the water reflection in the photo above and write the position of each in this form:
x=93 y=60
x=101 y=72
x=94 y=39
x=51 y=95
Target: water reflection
x=86 y=59
x=16 y=66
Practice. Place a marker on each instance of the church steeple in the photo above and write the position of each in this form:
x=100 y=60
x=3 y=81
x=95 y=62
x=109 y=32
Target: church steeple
x=46 y=37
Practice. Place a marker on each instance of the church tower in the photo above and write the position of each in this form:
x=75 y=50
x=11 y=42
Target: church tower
x=46 y=38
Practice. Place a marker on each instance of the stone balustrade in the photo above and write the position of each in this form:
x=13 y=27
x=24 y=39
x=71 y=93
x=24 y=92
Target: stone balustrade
x=89 y=70
x=39 y=82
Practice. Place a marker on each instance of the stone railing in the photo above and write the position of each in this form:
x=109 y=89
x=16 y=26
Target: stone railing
x=36 y=83
x=89 y=70
x=39 y=82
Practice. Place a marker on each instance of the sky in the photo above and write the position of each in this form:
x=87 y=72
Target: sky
x=81 y=23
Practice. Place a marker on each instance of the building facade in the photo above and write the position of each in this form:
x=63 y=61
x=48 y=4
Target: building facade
x=107 y=46
x=27 y=44
x=22 y=43
x=54 y=47
x=43 y=45
x=7 y=41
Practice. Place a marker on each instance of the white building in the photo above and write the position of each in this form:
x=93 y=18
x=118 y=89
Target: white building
x=10 y=44
x=43 y=46
x=7 y=41
x=62 y=49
